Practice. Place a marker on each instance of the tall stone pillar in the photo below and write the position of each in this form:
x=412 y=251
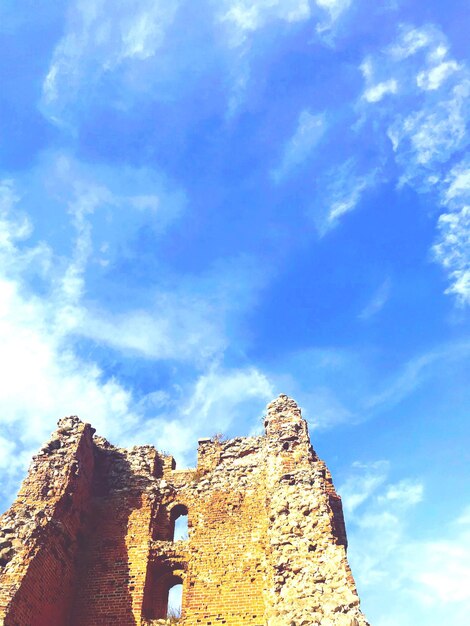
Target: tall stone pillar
x=308 y=578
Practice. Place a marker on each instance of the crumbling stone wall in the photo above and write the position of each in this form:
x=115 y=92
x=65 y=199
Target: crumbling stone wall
x=40 y=534
x=90 y=538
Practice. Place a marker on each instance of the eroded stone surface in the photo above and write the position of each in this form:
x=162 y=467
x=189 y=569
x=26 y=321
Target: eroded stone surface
x=89 y=540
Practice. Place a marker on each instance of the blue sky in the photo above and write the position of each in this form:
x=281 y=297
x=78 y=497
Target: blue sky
x=205 y=204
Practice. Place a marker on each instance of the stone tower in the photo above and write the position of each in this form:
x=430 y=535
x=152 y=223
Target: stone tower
x=89 y=540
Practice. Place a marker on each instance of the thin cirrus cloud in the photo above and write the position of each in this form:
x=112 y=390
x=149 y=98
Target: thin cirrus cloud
x=414 y=99
x=250 y=15
x=416 y=95
x=343 y=386
x=309 y=131
x=186 y=319
x=247 y=16
x=417 y=371
x=453 y=251
x=100 y=37
x=452 y=248
x=426 y=117
x=378 y=300
x=129 y=41
x=340 y=191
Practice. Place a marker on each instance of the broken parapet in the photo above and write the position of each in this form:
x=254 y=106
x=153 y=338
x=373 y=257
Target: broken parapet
x=90 y=538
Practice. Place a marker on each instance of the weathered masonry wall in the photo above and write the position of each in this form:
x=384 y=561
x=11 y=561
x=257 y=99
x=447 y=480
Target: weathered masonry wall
x=90 y=538
x=224 y=580
x=40 y=534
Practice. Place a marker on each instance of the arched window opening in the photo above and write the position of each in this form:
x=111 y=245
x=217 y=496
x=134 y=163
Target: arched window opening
x=179 y=518
x=175 y=601
x=163 y=596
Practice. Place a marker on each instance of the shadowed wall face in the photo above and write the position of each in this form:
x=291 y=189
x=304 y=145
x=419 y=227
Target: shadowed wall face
x=265 y=542
x=41 y=533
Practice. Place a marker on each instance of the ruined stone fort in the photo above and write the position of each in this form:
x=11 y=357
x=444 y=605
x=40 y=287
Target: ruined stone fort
x=90 y=541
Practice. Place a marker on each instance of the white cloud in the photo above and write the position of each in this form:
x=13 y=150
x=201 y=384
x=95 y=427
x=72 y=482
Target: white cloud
x=186 y=319
x=309 y=131
x=425 y=579
x=178 y=325
x=101 y=35
x=119 y=198
x=215 y=402
x=427 y=126
x=334 y=9
x=363 y=482
x=126 y=44
x=433 y=134
x=415 y=372
x=348 y=199
x=11 y=230
x=441 y=569
x=377 y=521
x=219 y=393
x=410 y=41
x=457 y=185
x=405 y=492
x=433 y=78
x=453 y=251
x=44 y=376
x=323 y=408
x=464 y=518
x=343 y=190
x=241 y=20
x=453 y=243
x=436 y=129
x=378 y=301
x=250 y=15
x=423 y=131
x=337 y=387
x=378 y=91
x=437 y=570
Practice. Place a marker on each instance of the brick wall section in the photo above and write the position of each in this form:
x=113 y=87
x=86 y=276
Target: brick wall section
x=266 y=539
x=225 y=572
x=38 y=576
x=114 y=558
